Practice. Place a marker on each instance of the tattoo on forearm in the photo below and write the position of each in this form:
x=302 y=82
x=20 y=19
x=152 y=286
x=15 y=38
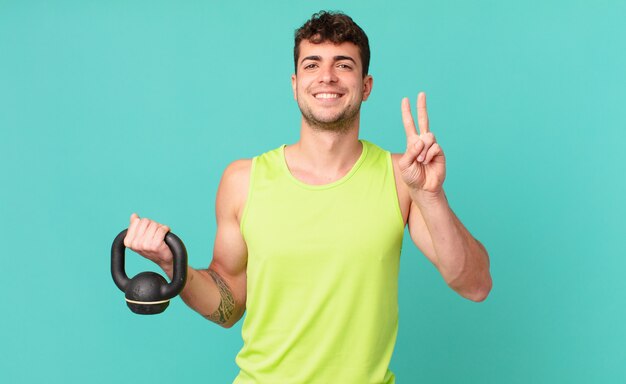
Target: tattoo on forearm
x=227 y=303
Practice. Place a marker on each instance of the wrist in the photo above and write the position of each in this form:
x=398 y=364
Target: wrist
x=165 y=260
x=168 y=268
x=427 y=198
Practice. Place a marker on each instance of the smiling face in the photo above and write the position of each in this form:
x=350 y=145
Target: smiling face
x=329 y=85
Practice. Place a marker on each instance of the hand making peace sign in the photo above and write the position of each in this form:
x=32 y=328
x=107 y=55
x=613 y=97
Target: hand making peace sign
x=423 y=165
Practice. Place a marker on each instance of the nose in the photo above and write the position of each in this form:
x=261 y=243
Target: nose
x=327 y=74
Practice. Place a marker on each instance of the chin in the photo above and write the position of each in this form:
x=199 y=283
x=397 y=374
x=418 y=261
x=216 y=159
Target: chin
x=328 y=124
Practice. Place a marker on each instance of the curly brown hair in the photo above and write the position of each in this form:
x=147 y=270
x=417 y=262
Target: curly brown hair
x=335 y=27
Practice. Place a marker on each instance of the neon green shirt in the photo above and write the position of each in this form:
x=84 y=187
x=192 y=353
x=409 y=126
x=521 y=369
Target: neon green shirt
x=322 y=274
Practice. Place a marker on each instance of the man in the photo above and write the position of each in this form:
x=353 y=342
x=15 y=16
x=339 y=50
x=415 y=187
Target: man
x=309 y=235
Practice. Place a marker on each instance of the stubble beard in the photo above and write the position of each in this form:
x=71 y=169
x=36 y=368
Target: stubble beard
x=341 y=123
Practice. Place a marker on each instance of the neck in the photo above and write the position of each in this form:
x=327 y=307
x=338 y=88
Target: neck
x=323 y=156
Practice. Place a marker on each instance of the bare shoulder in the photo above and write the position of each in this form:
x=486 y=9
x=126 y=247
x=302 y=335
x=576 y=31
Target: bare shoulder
x=233 y=189
x=238 y=171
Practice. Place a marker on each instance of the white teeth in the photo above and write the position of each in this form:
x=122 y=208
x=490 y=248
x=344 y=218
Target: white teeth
x=326 y=96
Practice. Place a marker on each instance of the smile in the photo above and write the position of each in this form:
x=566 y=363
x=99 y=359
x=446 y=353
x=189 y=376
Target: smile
x=327 y=95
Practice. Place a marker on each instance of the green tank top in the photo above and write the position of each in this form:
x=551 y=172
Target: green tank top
x=322 y=274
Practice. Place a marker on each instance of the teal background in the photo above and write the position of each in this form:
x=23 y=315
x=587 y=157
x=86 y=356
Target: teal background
x=114 y=107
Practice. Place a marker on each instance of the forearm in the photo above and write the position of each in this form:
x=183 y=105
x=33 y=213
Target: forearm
x=461 y=259
x=207 y=293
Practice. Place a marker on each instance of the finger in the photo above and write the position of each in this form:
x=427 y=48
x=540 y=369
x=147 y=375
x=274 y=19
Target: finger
x=412 y=150
x=140 y=230
x=428 y=139
x=132 y=229
x=416 y=149
x=434 y=150
x=422 y=113
x=407 y=118
x=149 y=235
x=159 y=234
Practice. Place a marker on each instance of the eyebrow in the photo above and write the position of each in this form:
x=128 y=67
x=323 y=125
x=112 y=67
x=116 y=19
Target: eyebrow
x=335 y=58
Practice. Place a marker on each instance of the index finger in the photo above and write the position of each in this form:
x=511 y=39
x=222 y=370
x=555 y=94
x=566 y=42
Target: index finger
x=422 y=113
x=407 y=118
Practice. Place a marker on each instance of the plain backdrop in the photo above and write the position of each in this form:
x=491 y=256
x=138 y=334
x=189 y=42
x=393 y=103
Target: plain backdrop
x=114 y=107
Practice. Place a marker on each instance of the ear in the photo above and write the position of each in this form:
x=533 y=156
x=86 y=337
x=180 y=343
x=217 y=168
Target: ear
x=368 y=83
x=294 y=86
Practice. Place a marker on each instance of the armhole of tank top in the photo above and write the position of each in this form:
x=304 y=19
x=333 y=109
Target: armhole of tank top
x=395 y=190
x=246 y=206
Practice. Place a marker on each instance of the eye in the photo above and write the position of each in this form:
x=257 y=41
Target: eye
x=310 y=65
x=344 y=66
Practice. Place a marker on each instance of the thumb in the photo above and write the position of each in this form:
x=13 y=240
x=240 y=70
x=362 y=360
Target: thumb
x=130 y=234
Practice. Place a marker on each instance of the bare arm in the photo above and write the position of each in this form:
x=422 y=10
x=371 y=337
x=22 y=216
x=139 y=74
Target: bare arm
x=460 y=258
x=219 y=292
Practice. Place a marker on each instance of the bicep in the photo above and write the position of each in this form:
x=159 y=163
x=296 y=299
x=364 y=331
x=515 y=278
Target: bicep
x=230 y=253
